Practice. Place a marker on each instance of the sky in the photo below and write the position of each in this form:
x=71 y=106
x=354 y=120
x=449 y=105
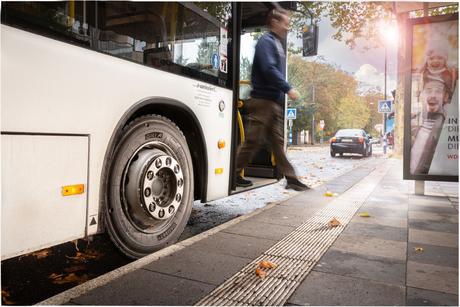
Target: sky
x=366 y=66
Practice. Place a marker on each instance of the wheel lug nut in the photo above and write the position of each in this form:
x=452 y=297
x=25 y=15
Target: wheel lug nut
x=152 y=207
x=180 y=182
x=158 y=163
x=150 y=175
x=161 y=213
x=171 y=209
x=147 y=192
x=178 y=197
x=168 y=161
x=176 y=169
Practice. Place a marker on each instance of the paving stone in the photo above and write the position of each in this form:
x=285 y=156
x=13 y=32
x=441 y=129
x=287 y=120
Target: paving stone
x=434 y=226
x=433 y=216
x=429 y=200
x=234 y=244
x=382 y=197
x=363 y=245
x=433 y=238
x=279 y=216
x=431 y=254
x=208 y=267
x=363 y=266
x=421 y=297
x=380 y=220
x=377 y=231
x=260 y=230
x=435 y=209
x=432 y=277
x=301 y=209
x=375 y=210
x=323 y=289
x=162 y=289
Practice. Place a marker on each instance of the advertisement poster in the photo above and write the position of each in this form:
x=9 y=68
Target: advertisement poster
x=433 y=101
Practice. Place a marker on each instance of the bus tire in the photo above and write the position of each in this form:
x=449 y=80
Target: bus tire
x=150 y=186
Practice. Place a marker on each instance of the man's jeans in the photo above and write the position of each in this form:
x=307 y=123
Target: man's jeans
x=265 y=122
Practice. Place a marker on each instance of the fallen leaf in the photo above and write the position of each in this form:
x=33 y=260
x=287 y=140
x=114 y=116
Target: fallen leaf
x=41 y=254
x=364 y=214
x=6 y=298
x=267 y=264
x=75 y=268
x=82 y=257
x=328 y=194
x=60 y=279
x=334 y=223
x=261 y=273
x=419 y=249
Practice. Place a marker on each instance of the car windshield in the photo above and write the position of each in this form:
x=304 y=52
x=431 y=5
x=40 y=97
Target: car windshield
x=349 y=132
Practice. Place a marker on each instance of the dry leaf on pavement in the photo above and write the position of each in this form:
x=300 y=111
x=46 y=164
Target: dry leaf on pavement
x=267 y=264
x=261 y=273
x=419 y=249
x=328 y=194
x=334 y=223
x=364 y=214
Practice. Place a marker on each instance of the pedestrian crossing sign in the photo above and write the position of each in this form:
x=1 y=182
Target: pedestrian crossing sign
x=385 y=106
x=291 y=113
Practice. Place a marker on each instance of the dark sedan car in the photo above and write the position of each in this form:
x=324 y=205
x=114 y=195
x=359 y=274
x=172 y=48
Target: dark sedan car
x=351 y=141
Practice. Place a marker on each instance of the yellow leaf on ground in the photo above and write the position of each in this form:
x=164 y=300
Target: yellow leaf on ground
x=334 y=223
x=364 y=214
x=261 y=273
x=267 y=264
x=328 y=194
x=419 y=249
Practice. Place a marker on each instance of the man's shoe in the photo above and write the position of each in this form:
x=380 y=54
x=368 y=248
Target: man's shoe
x=241 y=182
x=296 y=184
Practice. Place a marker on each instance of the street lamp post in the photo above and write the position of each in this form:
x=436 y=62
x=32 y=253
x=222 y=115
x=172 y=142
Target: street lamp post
x=385 y=94
x=313 y=118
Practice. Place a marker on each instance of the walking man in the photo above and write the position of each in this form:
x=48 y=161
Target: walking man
x=266 y=107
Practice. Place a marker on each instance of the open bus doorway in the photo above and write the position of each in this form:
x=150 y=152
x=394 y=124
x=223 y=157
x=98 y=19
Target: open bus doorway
x=262 y=168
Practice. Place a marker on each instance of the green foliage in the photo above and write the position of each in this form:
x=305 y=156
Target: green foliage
x=330 y=94
x=352 y=20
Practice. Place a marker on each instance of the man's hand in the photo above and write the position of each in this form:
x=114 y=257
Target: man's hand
x=293 y=94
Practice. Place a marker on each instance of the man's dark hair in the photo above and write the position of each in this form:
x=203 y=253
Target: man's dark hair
x=276 y=14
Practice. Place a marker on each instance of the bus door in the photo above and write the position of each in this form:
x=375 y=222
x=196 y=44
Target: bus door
x=262 y=168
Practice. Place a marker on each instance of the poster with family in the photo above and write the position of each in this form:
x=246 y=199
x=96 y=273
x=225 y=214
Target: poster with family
x=434 y=99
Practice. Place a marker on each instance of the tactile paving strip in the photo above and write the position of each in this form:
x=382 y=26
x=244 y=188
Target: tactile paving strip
x=295 y=255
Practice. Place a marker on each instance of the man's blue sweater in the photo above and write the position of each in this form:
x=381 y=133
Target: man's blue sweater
x=269 y=70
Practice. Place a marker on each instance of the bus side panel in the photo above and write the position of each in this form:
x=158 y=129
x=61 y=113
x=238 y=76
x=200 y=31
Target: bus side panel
x=50 y=86
x=35 y=214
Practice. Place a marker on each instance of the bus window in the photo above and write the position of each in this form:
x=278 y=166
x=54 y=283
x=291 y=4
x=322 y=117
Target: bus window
x=181 y=38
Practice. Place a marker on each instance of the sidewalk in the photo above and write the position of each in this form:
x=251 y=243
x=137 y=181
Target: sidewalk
x=404 y=253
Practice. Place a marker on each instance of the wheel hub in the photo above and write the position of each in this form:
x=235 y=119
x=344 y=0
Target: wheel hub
x=154 y=187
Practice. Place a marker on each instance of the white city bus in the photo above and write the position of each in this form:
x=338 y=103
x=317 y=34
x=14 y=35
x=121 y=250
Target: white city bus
x=116 y=116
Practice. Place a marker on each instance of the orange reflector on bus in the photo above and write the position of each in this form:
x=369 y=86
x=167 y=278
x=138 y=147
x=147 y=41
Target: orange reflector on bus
x=221 y=144
x=73 y=189
x=219 y=171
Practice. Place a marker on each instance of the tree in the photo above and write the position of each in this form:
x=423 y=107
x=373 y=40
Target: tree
x=352 y=113
x=352 y=20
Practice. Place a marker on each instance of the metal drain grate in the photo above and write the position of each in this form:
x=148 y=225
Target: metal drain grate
x=295 y=255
